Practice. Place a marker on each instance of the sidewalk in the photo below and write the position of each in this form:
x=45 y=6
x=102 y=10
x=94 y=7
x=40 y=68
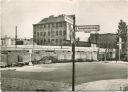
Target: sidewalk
x=116 y=62
x=104 y=85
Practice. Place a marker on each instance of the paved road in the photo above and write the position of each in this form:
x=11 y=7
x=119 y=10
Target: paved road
x=85 y=72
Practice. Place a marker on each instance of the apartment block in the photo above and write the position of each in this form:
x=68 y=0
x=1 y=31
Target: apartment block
x=53 y=30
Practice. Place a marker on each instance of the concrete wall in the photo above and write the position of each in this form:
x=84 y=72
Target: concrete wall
x=65 y=55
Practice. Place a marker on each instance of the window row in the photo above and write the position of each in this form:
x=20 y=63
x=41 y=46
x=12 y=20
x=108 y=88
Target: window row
x=52 y=33
x=44 y=41
x=48 y=25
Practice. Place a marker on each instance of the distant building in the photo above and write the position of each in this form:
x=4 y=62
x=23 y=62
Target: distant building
x=7 y=41
x=53 y=30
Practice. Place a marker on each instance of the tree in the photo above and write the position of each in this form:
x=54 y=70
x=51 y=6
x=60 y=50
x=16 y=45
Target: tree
x=122 y=32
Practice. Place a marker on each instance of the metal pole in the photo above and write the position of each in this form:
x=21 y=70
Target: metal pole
x=73 y=56
x=15 y=37
x=127 y=45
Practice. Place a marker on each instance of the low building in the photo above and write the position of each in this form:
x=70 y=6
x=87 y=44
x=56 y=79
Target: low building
x=7 y=41
x=108 y=42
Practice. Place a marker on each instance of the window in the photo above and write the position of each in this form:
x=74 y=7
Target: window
x=57 y=25
x=60 y=32
x=38 y=42
x=60 y=40
x=56 y=33
x=60 y=24
x=44 y=25
x=52 y=25
x=53 y=33
x=40 y=33
x=34 y=32
x=56 y=40
x=48 y=40
x=44 y=33
x=44 y=40
x=64 y=24
x=37 y=33
x=52 y=39
x=48 y=33
x=48 y=25
x=39 y=26
x=64 y=32
x=64 y=39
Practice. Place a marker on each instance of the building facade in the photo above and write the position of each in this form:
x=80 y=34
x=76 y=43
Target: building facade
x=53 y=30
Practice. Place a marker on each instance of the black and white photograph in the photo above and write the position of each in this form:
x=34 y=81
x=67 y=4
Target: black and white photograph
x=64 y=45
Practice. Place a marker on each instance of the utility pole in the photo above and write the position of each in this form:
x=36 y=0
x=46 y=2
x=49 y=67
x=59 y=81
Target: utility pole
x=127 y=44
x=15 y=37
x=73 y=55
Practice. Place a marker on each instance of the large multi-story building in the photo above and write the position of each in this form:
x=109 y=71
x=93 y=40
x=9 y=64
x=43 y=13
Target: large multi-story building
x=54 y=30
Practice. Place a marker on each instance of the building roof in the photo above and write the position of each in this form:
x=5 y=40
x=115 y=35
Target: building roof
x=52 y=19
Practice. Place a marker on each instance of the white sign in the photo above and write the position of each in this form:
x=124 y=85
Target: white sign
x=72 y=36
x=30 y=51
x=87 y=28
x=120 y=43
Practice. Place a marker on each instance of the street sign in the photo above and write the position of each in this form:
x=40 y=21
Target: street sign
x=87 y=28
x=72 y=36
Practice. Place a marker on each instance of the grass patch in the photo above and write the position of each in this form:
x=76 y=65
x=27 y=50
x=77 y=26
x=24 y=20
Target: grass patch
x=15 y=84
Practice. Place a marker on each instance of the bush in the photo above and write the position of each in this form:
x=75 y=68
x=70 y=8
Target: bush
x=89 y=60
x=79 y=60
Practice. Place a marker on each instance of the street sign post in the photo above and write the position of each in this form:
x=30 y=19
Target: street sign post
x=73 y=55
x=81 y=28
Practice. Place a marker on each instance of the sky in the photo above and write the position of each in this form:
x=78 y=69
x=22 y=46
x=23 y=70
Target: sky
x=25 y=13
